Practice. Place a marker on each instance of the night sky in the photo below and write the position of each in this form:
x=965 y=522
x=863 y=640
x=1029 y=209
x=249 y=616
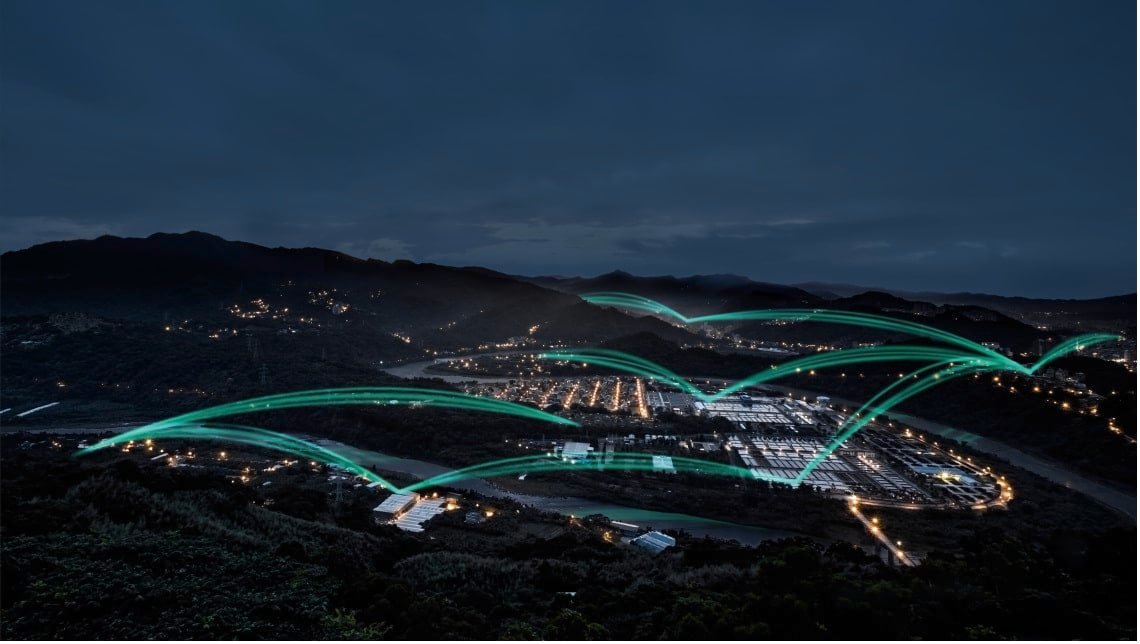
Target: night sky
x=966 y=145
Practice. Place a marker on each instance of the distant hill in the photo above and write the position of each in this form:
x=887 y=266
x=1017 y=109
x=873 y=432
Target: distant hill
x=202 y=277
x=720 y=293
x=1115 y=307
x=171 y=320
x=137 y=319
x=698 y=294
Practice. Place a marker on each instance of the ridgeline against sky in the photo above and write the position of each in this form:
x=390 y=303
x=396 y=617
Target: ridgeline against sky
x=963 y=145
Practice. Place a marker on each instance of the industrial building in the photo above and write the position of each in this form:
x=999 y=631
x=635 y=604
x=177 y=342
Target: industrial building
x=663 y=402
x=575 y=452
x=410 y=511
x=785 y=458
x=627 y=529
x=654 y=542
x=420 y=512
x=394 y=506
x=772 y=412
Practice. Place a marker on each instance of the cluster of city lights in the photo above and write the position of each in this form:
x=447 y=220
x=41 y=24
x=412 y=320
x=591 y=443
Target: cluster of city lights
x=962 y=357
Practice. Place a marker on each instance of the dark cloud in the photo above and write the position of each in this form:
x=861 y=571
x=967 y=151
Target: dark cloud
x=964 y=145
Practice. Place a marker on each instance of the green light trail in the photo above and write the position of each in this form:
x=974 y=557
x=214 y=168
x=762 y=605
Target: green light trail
x=868 y=320
x=627 y=300
x=243 y=434
x=192 y=424
x=639 y=366
x=626 y=461
x=961 y=358
x=978 y=359
x=1072 y=344
x=861 y=418
x=363 y=396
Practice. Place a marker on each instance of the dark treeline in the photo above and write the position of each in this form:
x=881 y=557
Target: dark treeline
x=122 y=549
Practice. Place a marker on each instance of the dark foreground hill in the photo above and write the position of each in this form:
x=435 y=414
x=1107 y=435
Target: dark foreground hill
x=115 y=547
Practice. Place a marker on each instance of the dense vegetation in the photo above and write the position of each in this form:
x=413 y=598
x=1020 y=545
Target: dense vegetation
x=111 y=548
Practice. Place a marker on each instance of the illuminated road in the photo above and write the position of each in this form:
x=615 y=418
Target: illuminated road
x=872 y=527
x=1099 y=492
x=1105 y=495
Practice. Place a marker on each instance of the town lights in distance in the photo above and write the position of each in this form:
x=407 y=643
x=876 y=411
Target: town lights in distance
x=943 y=363
x=198 y=424
x=868 y=320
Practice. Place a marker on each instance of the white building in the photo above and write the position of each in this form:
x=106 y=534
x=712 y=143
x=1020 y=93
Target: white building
x=654 y=542
x=393 y=506
x=576 y=451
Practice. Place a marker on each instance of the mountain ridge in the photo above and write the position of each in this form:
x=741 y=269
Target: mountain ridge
x=203 y=276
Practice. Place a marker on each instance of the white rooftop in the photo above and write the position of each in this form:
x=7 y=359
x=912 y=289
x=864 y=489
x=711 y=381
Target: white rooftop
x=654 y=541
x=663 y=463
x=413 y=519
x=575 y=450
x=395 y=503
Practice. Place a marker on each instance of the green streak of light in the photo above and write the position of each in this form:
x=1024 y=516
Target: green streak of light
x=637 y=366
x=628 y=300
x=243 y=434
x=978 y=359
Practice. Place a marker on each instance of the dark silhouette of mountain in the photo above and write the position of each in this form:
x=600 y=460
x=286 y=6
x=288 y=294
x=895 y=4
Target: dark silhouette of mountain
x=1112 y=307
x=204 y=278
x=374 y=310
x=173 y=321
x=558 y=324
x=718 y=293
x=880 y=301
x=186 y=271
x=834 y=290
x=972 y=322
x=698 y=294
